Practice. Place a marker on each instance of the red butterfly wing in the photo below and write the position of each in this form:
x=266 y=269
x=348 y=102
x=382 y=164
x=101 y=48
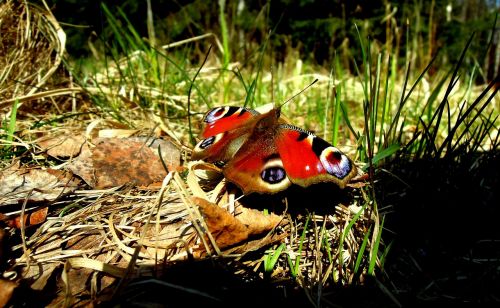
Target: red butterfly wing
x=223 y=119
x=309 y=159
x=257 y=167
x=227 y=128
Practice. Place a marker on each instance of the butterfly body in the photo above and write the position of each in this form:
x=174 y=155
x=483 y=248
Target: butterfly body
x=262 y=153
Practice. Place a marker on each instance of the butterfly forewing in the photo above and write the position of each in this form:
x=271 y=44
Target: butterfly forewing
x=226 y=129
x=222 y=119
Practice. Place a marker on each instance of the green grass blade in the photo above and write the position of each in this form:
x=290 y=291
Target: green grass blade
x=294 y=266
x=449 y=139
x=375 y=102
x=383 y=257
x=191 y=135
x=11 y=129
x=337 y=90
x=361 y=251
x=224 y=34
x=272 y=257
x=386 y=152
x=385 y=107
x=328 y=249
x=250 y=98
x=346 y=232
x=439 y=110
x=404 y=98
x=374 y=250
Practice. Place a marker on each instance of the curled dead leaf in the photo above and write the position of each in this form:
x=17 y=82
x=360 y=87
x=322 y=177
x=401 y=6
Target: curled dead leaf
x=229 y=230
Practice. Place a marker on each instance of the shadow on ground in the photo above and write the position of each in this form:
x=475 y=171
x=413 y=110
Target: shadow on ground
x=446 y=238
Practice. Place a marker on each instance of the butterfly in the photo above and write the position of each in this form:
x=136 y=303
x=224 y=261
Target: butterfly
x=263 y=153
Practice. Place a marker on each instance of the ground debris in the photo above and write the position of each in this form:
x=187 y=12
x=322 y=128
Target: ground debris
x=19 y=184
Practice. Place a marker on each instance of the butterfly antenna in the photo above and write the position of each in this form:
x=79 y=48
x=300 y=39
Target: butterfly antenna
x=301 y=91
x=272 y=84
x=191 y=136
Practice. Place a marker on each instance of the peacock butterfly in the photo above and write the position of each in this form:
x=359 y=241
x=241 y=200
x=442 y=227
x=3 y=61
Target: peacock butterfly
x=263 y=153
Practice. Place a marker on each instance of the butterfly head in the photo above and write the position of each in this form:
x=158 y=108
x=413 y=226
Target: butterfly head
x=268 y=121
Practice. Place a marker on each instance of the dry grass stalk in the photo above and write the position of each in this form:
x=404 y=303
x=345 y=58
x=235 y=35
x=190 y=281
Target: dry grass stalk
x=116 y=227
x=32 y=46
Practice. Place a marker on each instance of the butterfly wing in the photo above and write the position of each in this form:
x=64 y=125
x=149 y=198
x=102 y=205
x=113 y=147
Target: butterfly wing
x=266 y=155
x=226 y=118
x=308 y=159
x=226 y=129
x=257 y=167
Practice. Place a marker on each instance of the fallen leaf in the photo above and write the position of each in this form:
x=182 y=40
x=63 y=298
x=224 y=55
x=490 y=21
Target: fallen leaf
x=78 y=280
x=30 y=219
x=62 y=146
x=18 y=183
x=83 y=166
x=86 y=242
x=170 y=153
x=114 y=162
x=121 y=161
x=229 y=230
x=225 y=229
x=6 y=290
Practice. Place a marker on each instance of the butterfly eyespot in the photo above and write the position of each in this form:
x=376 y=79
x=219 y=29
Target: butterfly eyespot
x=273 y=175
x=207 y=142
x=215 y=114
x=335 y=163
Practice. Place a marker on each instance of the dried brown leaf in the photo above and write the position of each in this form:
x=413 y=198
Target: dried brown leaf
x=83 y=166
x=63 y=146
x=87 y=241
x=114 y=162
x=229 y=230
x=18 y=183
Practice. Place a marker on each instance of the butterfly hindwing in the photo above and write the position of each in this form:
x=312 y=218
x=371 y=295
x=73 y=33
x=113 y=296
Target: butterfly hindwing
x=257 y=167
x=308 y=159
